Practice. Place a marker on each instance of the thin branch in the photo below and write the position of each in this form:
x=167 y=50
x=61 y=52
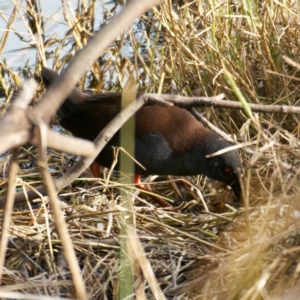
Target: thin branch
x=189 y=102
x=68 y=144
x=9 y=204
x=15 y=130
x=60 y=222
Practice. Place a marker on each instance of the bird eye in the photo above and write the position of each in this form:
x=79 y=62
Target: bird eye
x=228 y=171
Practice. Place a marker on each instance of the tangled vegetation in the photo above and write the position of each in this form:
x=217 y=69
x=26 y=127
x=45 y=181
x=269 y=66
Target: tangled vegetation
x=248 y=50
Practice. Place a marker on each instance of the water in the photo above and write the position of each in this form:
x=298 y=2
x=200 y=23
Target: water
x=18 y=50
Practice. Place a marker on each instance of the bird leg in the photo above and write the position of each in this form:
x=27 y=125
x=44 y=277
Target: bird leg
x=95 y=169
x=138 y=183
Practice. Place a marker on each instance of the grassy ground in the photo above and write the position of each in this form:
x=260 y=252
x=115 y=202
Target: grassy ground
x=249 y=253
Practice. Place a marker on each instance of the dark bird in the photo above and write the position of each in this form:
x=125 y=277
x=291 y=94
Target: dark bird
x=168 y=140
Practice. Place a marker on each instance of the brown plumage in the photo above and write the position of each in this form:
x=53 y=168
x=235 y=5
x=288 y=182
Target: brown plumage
x=168 y=140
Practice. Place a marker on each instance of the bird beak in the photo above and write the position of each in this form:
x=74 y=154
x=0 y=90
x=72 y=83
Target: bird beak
x=236 y=187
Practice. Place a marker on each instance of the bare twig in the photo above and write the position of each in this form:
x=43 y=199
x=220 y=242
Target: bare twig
x=189 y=102
x=61 y=225
x=67 y=144
x=9 y=204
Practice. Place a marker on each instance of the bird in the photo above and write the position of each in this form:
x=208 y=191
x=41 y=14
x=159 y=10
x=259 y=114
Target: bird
x=168 y=140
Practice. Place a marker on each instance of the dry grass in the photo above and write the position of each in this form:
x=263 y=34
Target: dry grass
x=249 y=254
